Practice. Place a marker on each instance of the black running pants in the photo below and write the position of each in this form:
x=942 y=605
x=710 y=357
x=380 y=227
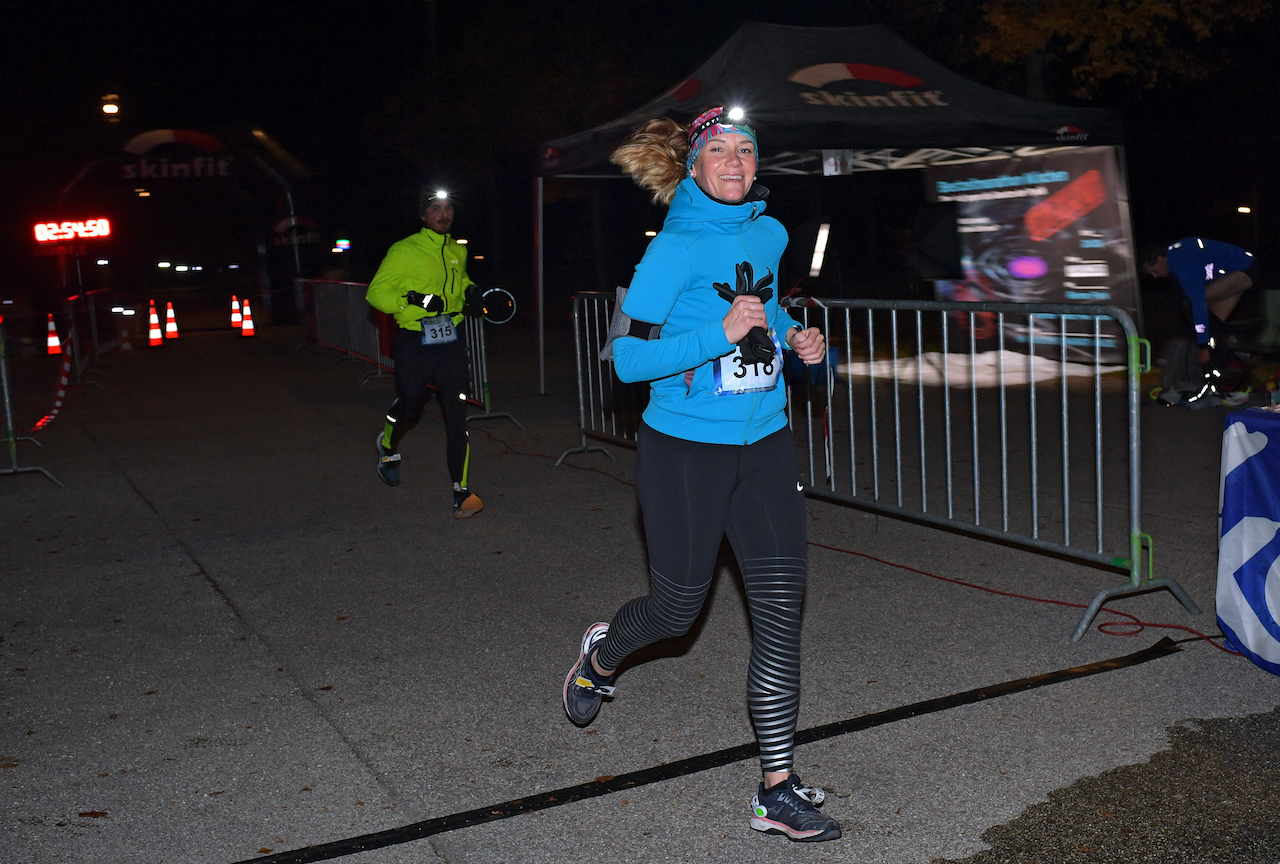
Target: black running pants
x=692 y=495
x=417 y=367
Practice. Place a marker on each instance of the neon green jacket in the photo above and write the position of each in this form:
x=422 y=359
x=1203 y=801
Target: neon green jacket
x=428 y=263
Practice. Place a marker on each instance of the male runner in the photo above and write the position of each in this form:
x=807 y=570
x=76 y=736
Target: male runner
x=423 y=283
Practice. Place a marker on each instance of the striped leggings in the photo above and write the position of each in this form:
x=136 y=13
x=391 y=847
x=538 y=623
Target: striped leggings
x=693 y=494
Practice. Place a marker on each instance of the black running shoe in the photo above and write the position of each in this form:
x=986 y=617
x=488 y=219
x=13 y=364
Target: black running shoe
x=388 y=464
x=583 y=688
x=791 y=808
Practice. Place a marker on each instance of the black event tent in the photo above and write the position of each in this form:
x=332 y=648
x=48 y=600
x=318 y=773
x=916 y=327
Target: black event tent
x=837 y=100
x=843 y=88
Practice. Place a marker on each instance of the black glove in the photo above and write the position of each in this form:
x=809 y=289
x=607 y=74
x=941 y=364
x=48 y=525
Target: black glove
x=433 y=303
x=473 y=305
x=756 y=346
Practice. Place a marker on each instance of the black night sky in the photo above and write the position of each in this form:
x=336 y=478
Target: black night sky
x=375 y=99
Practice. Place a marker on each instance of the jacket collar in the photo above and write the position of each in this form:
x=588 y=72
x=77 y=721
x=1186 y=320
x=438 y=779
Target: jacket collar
x=691 y=204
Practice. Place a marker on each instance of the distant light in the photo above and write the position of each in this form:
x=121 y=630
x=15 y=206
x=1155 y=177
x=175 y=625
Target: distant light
x=651 y=233
x=182 y=268
x=343 y=244
x=110 y=108
x=477 y=257
x=144 y=194
x=103 y=262
x=441 y=195
x=233 y=266
x=8 y=302
x=128 y=312
x=117 y=309
x=736 y=113
x=460 y=242
x=197 y=268
x=164 y=264
x=819 y=249
x=335 y=249
x=1244 y=209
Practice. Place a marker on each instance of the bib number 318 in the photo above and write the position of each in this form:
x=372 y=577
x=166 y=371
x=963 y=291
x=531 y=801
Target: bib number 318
x=733 y=374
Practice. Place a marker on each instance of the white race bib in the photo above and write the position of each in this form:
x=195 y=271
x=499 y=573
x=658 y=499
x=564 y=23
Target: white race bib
x=438 y=330
x=734 y=375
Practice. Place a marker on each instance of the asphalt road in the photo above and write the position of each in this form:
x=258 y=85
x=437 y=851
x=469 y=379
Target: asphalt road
x=225 y=639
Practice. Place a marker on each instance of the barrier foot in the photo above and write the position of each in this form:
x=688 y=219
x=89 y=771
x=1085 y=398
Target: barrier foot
x=584 y=449
x=24 y=438
x=30 y=471
x=499 y=415
x=374 y=373
x=1127 y=590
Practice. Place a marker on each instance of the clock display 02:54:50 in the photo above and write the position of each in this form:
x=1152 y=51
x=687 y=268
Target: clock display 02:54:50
x=50 y=232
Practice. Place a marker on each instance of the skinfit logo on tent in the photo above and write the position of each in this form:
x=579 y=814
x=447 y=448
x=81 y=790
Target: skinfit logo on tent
x=822 y=74
x=1071 y=133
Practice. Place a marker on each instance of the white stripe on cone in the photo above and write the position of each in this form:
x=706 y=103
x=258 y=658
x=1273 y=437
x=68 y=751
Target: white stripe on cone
x=247 y=327
x=53 y=343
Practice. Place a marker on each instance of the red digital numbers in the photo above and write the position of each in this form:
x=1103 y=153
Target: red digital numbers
x=53 y=232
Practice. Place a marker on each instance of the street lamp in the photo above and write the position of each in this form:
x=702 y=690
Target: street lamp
x=111 y=108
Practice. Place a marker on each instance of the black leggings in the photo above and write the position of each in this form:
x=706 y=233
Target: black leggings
x=417 y=366
x=692 y=495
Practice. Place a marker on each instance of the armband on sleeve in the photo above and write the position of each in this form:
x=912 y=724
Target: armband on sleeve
x=622 y=324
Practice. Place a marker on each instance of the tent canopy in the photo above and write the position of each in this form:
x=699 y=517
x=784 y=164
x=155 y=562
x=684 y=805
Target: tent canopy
x=860 y=93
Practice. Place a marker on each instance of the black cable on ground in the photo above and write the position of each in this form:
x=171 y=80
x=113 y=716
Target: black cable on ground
x=609 y=784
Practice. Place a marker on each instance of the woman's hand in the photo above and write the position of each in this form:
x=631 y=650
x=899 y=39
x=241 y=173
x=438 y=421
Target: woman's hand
x=746 y=312
x=810 y=345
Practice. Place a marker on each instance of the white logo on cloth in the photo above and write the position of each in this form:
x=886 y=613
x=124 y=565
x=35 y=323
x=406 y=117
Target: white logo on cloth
x=1248 y=595
x=1208 y=272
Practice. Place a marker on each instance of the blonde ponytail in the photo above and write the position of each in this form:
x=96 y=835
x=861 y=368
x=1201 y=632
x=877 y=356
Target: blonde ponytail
x=654 y=155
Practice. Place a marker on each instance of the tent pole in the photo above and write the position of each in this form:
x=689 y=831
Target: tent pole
x=537 y=241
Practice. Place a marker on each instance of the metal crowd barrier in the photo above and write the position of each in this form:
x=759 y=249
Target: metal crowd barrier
x=89 y=322
x=608 y=410
x=11 y=436
x=907 y=418
x=337 y=317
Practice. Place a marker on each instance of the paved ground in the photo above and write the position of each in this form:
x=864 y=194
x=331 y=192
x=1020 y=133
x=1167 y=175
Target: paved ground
x=225 y=638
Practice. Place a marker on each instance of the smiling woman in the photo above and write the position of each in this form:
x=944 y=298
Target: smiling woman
x=714 y=455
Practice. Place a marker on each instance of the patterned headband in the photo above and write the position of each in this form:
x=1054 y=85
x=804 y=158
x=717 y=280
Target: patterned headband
x=707 y=126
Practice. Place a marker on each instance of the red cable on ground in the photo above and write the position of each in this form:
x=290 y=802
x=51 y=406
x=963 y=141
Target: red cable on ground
x=1103 y=627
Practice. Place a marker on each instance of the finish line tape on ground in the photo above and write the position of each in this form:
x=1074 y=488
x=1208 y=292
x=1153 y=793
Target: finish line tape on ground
x=694 y=764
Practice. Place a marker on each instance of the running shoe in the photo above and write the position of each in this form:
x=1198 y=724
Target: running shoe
x=583 y=687
x=388 y=464
x=791 y=808
x=465 y=502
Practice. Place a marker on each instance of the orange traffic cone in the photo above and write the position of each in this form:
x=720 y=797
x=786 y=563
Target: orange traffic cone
x=246 y=328
x=125 y=343
x=236 y=319
x=54 y=343
x=170 y=324
x=154 y=335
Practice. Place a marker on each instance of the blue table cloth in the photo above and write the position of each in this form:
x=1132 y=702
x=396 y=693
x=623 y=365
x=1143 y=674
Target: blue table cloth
x=1249 y=545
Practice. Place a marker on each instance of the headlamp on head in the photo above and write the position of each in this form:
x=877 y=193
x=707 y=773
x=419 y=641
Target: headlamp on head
x=713 y=122
x=441 y=195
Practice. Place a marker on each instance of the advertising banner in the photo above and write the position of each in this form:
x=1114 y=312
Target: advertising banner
x=1051 y=228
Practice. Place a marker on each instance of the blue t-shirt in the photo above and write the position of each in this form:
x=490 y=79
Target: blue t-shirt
x=1194 y=261
x=702 y=240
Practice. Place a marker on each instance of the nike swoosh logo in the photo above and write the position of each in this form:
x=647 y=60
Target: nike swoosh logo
x=799 y=488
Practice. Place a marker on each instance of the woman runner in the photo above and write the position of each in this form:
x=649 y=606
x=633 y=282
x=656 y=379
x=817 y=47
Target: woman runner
x=714 y=455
